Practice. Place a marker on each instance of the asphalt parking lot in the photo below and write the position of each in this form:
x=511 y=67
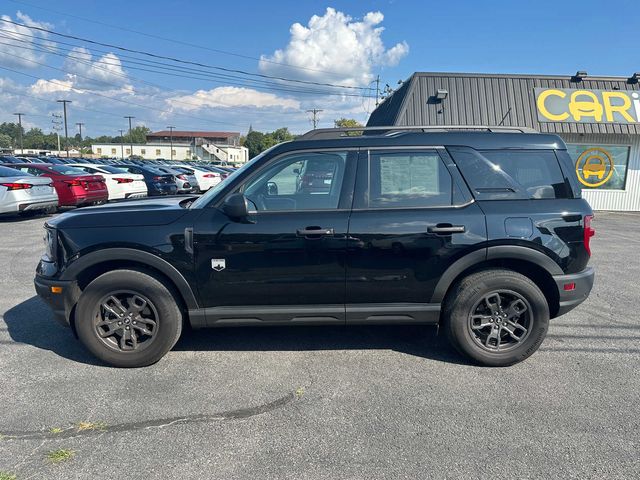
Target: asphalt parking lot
x=325 y=403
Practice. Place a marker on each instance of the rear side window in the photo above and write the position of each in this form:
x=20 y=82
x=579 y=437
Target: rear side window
x=12 y=172
x=512 y=174
x=404 y=179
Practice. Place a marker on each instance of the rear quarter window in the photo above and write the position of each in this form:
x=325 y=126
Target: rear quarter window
x=512 y=174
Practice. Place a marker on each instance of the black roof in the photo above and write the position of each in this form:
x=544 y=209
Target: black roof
x=479 y=140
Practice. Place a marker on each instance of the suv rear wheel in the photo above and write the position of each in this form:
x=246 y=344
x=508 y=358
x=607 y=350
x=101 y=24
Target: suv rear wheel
x=128 y=318
x=496 y=317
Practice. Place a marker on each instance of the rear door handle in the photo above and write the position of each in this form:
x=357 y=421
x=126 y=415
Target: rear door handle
x=446 y=229
x=314 y=232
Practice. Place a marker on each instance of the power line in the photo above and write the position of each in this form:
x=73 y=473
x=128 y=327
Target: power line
x=114 y=99
x=177 y=60
x=165 y=71
x=180 y=42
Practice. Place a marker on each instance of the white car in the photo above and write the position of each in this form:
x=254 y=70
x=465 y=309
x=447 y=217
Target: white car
x=120 y=183
x=21 y=192
x=205 y=178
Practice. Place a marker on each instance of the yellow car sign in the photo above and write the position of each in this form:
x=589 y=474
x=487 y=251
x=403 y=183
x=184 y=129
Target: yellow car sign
x=595 y=162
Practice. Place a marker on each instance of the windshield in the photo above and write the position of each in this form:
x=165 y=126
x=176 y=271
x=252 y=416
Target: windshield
x=65 y=170
x=213 y=191
x=12 y=172
x=110 y=169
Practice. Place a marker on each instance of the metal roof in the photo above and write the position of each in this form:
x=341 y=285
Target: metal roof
x=489 y=99
x=190 y=133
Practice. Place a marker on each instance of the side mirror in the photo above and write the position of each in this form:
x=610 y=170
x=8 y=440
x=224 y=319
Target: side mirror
x=236 y=206
x=272 y=188
x=296 y=171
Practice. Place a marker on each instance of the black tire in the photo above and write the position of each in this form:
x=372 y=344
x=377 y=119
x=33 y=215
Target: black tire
x=162 y=318
x=466 y=324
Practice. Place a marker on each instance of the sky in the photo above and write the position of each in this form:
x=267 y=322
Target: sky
x=264 y=64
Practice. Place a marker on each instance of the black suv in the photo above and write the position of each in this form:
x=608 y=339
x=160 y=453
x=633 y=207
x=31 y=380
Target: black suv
x=483 y=232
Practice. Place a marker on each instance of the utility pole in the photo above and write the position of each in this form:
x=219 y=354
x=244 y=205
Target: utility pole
x=130 y=136
x=20 y=131
x=121 y=143
x=170 y=127
x=57 y=126
x=80 y=124
x=314 y=119
x=66 y=132
x=377 y=90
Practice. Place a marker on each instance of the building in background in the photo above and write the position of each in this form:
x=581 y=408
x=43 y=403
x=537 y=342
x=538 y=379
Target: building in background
x=597 y=117
x=223 y=147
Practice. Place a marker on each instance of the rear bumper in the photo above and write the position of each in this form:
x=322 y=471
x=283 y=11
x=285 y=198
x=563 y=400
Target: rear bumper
x=61 y=303
x=570 y=299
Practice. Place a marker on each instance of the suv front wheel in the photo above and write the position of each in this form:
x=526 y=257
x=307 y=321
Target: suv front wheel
x=128 y=318
x=496 y=317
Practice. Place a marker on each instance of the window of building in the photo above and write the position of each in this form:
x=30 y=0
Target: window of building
x=98 y=150
x=128 y=150
x=143 y=151
x=303 y=181
x=401 y=179
x=600 y=166
x=113 y=151
x=173 y=152
x=157 y=151
x=512 y=174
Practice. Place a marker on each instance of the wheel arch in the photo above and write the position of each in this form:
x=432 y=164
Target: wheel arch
x=529 y=262
x=90 y=266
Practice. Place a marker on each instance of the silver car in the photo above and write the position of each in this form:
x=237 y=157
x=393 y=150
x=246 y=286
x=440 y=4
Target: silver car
x=21 y=192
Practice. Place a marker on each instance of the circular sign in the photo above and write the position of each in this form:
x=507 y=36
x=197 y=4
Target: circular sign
x=594 y=162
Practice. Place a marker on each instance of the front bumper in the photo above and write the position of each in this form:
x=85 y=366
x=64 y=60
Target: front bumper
x=570 y=299
x=61 y=303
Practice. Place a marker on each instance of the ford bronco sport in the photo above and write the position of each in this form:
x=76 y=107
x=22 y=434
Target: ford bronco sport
x=481 y=231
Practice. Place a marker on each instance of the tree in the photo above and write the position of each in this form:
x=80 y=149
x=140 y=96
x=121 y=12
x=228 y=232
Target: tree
x=5 y=141
x=346 y=123
x=138 y=135
x=12 y=130
x=254 y=141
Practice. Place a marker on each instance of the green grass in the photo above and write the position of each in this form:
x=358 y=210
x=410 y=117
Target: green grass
x=61 y=455
x=7 y=476
x=55 y=430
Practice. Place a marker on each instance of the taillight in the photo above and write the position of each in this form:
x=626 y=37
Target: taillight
x=182 y=177
x=17 y=186
x=589 y=232
x=123 y=180
x=73 y=183
x=210 y=175
x=157 y=179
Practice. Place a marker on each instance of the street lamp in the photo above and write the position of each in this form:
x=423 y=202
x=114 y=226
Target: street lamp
x=130 y=136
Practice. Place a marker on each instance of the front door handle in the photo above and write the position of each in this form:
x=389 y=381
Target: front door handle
x=446 y=229
x=314 y=232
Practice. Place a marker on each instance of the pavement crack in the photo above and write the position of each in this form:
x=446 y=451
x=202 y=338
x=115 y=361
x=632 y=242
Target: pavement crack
x=73 y=432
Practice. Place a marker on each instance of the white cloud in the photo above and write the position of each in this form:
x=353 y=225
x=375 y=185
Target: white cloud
x=104 y=73
x=17 y=42
x=335 y=48
x=227 y=97
x=43 y=86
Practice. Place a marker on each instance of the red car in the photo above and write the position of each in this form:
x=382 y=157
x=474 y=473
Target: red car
x=73 y=186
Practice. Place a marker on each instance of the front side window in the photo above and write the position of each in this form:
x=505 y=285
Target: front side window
x=404 y=179
x=300 y=181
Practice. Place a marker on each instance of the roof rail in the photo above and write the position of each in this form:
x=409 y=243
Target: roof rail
x=327 y=133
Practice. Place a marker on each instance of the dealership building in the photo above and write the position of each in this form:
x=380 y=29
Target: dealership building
x=597 y=117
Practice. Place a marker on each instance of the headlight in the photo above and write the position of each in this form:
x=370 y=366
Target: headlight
x=50 y=244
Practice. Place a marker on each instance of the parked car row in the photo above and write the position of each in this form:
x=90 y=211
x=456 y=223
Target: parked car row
x=45 y=183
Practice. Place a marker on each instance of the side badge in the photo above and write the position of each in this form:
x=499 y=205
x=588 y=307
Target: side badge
x=218 y=264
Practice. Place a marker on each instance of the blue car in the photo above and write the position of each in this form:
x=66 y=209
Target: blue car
x=158 y=182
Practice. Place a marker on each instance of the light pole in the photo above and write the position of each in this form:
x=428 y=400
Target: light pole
x=20 y=131
x=121 y=143
x=171 y=140
x=130 y=136
x=80 y=124
x=56 y=126
x=66 y=132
